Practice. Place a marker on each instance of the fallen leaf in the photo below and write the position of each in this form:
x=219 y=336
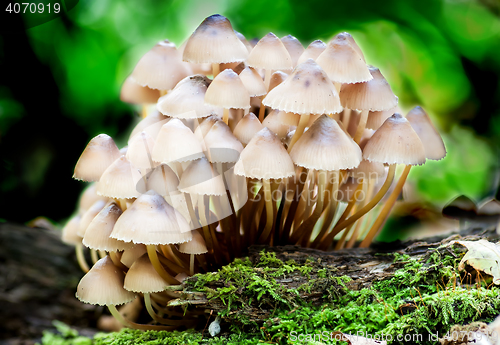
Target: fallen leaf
x=482 y=255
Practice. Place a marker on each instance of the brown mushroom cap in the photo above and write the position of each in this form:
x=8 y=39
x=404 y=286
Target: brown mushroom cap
x=151 y=220
x=161 y=67
x=395 y=142
x=307 y=90
x=130 y=255
x=377 y=118
x=428 y=134
x=274 y=122
x=373 y=95
x=103 y=285
x=275 y=164
x=214 y=41
x=98 y=155
x=270 y=53
x=325 y=146
x=143 y=278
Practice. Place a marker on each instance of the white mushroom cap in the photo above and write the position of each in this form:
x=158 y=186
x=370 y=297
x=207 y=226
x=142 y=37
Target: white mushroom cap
x=103 y=285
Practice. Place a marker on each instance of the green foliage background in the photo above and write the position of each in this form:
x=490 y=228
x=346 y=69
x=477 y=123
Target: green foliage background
x=442 y=55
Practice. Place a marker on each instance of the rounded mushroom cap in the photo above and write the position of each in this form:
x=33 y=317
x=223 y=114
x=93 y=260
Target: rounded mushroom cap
x=274 y=164
x=87 y=217
x=342 y=63
x=148 y=124
x=253 y=82
x=163 y=180
x=428 y=134
x=270 y=53
x=176 y=142
x=98 y=155
x=130 y=255
x=306 y=91
x=139 y=151
x=395 y=142
x=277 y=78
x=70 y=231
x=294 y=47
x=121 y=180
x=196 y=246
x=133 y=93
x=214 y=41
x=201 y=179
x=205 y=126
x=151 y=220
x=227 y=91
x=312 y=51
x=88 y=197
x=187 y=99
x=274 y=122
x=373 y=95
x=97 y=233
x=221 y=144
x=161 y=67
x=103 y=285
x=142 y=277
x=325 y=146
x=247 y=127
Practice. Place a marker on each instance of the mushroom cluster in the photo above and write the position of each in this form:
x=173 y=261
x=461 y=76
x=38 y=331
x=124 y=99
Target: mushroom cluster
x=265 y=143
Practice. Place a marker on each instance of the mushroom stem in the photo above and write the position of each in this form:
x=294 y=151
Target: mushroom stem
x=80 y=257
x=191 y=264
x=331 y=209
x=133 y=325
x=116 y=261
x=304 y=120
x=225 y=116
x=389 y=204
x=305 y=229
x=365 y=209
x=215 y=69
x=346 y=118
x=144 y=111
x=94 y=256
x=155 y=317
x=361 y=126
x=155 y=261
x=269 y=210
x=210 y=239
x=194 y=220
x=369 y=187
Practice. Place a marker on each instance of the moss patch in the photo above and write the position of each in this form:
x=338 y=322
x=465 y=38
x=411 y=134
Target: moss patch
x=424 y=297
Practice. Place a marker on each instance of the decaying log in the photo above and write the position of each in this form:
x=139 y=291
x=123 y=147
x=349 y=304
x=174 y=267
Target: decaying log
x=363 y=266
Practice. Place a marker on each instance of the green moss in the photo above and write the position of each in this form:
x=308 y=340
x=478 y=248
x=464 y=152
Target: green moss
x=423 y=296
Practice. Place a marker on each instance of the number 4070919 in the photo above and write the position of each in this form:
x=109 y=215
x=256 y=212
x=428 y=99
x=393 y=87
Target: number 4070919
x=31 y=7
